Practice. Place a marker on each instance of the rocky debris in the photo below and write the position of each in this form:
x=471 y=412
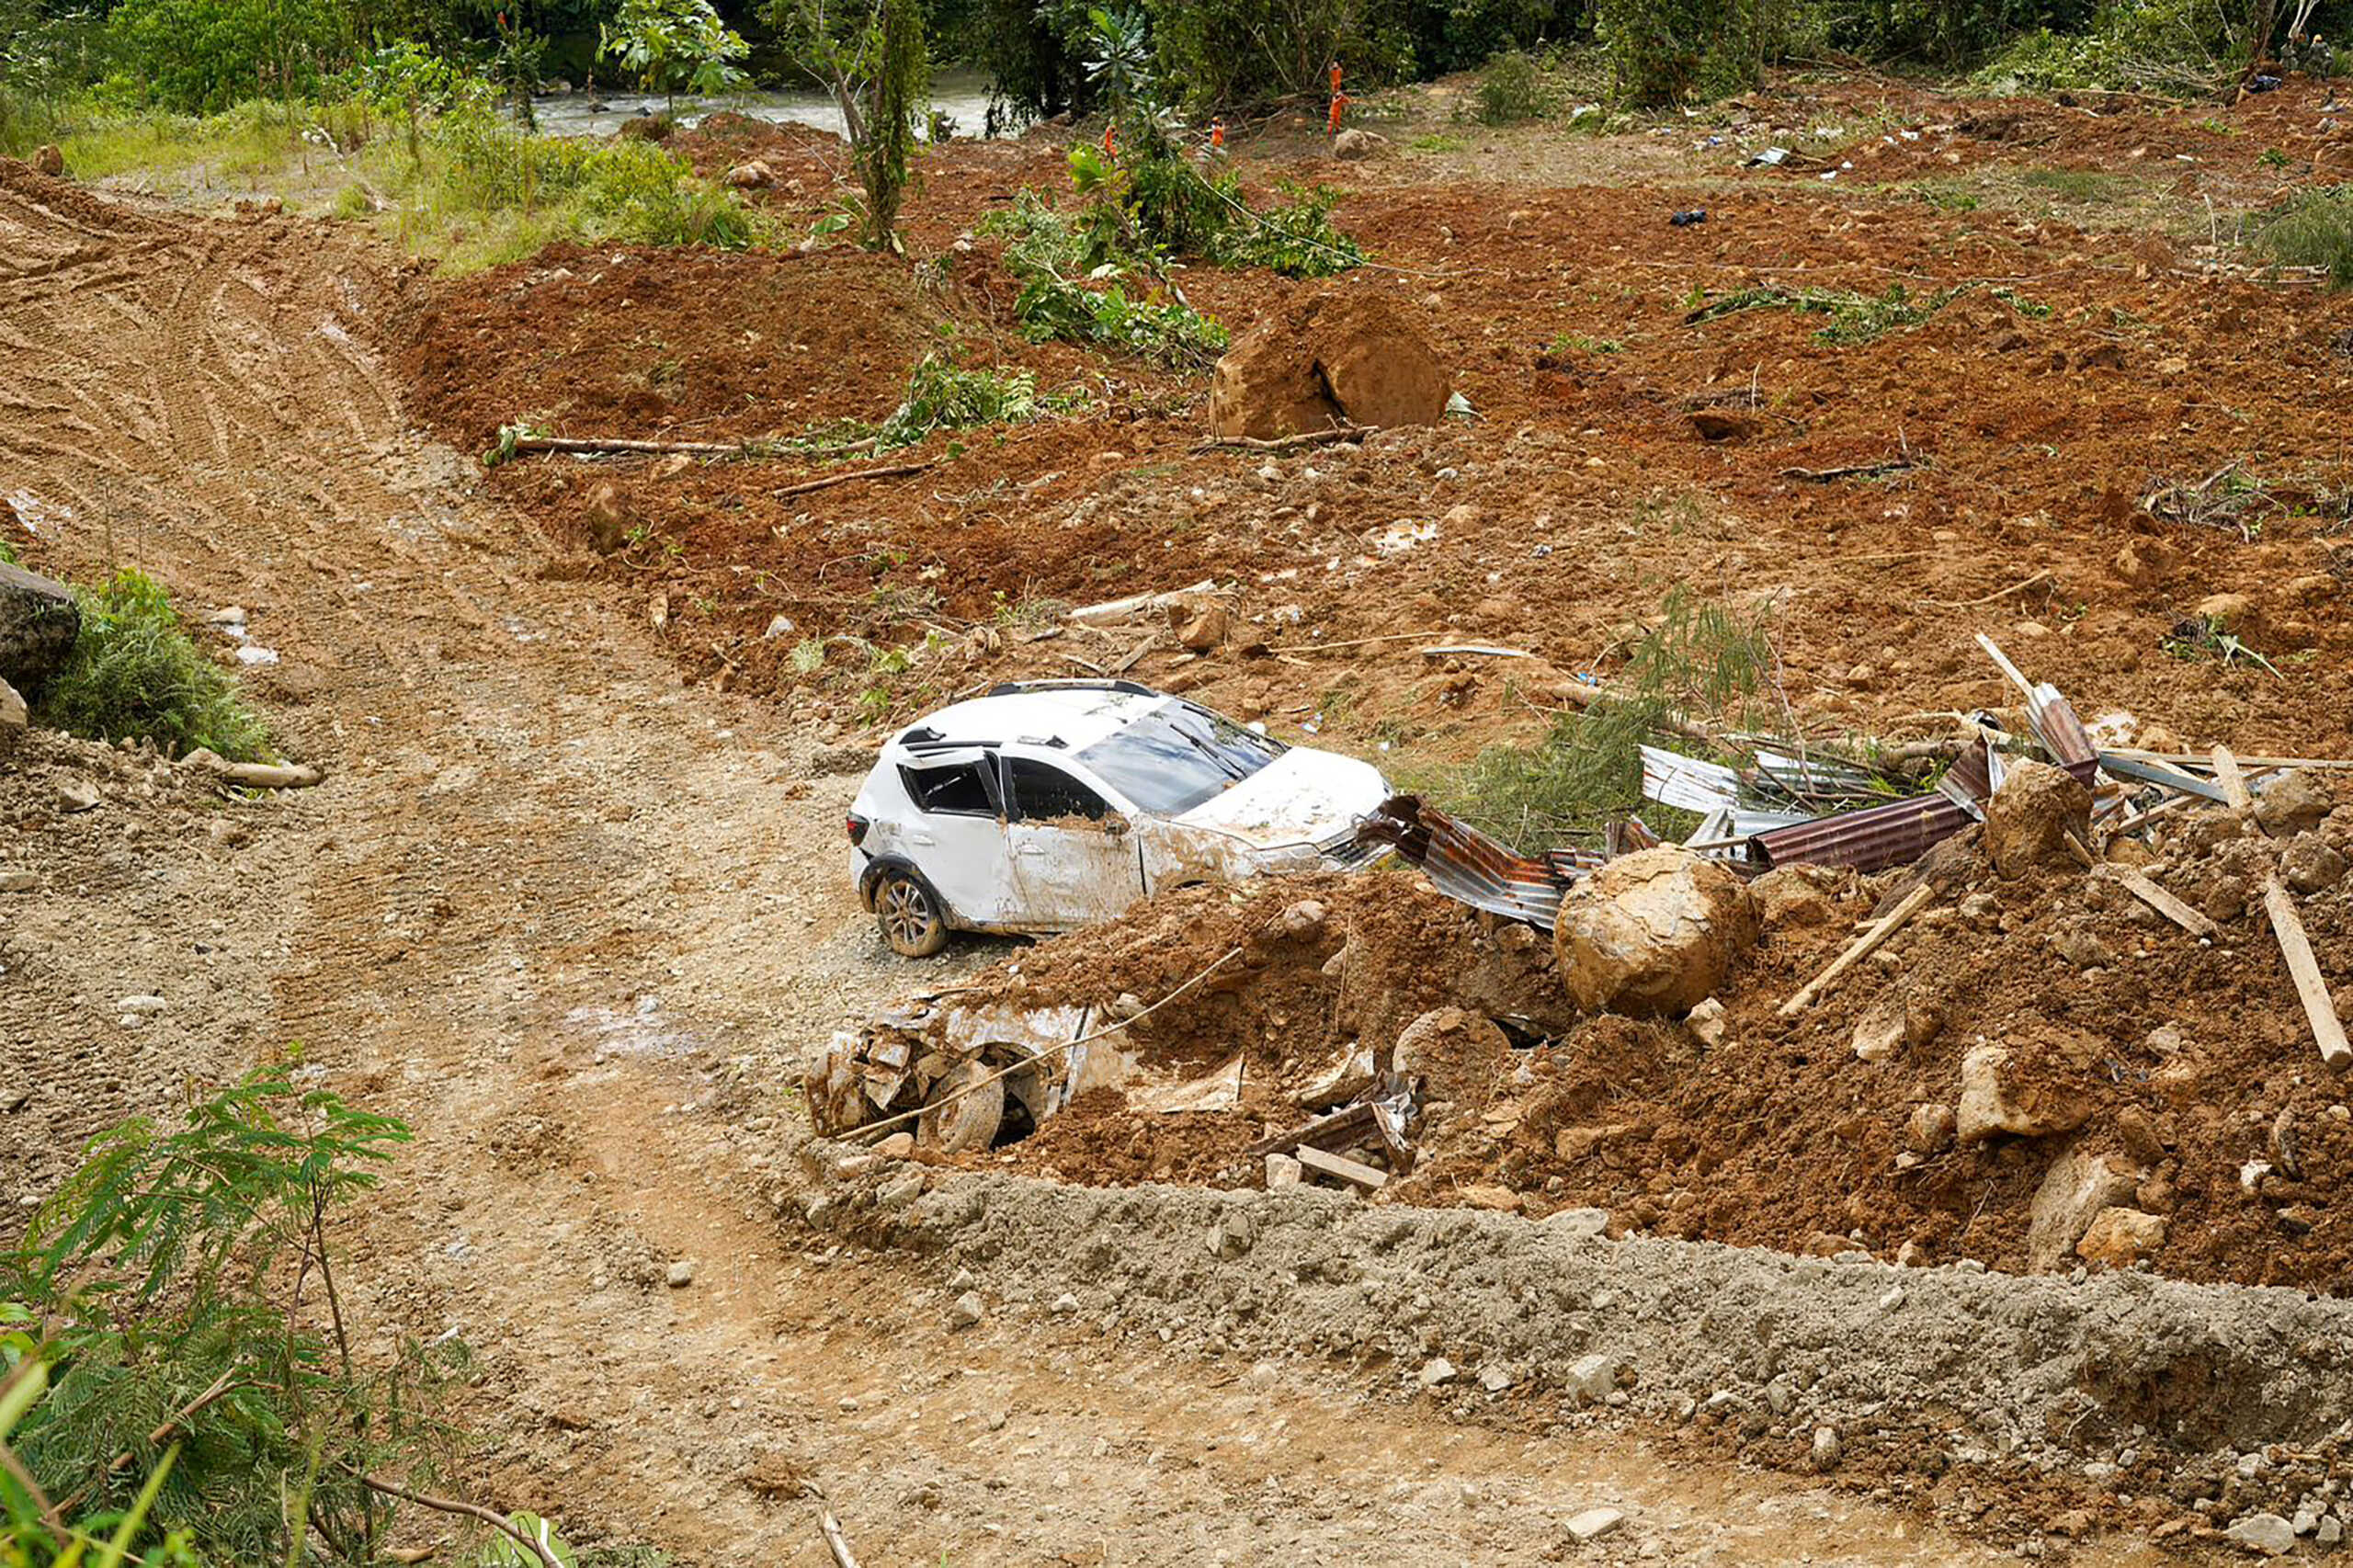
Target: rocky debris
x=2310 y=864
x=74 y=795
x=2234 y=613
x=1352 y=144
x=752 y=175
x=1998 y=1097
x=967 y=1310
x=2028 y=819
x=1283 y=1171
x=2268 y=1534
x=680 y=1274
x=39 y=621
x=1795 y=895
x=1232 y=1235
x=1454 y=1055
x=2076 y=1188
x=2295 y=802
x=1332 y=357
x=19 y=880
x=1203 y=629
x=2122 y=1237
x=1826 y=1450
x=1592 y=1379
x=1706 y=1022
x=1436 y=1372
x=15 y=720
x=49 y=159
x=1592 y=1523
x=1930 y=1129
x=1654 y=932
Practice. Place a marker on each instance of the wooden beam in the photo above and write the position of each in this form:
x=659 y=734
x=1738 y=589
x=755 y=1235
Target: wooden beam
x=2165 y=904
x=1341 y=1168
x=1865 y=945
x=2328 y=1030
x=2234 y=782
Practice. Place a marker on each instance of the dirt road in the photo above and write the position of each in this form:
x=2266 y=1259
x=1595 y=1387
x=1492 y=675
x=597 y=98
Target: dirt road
x=574 y=922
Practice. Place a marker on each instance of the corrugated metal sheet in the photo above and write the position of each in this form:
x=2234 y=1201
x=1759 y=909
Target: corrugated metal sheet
x=1465 y=864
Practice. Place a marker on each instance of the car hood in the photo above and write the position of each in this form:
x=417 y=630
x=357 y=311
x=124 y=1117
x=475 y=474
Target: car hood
x=1302 y=796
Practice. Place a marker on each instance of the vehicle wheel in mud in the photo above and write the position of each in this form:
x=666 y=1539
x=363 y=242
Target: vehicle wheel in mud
x=955 y=1125
x=912 y=921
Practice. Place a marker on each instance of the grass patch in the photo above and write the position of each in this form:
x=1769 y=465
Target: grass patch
x=1857 y=319
x=2314 y=230
x=1702 y=663
x=1439 y=141
x=134 y=675
x=2084 y=188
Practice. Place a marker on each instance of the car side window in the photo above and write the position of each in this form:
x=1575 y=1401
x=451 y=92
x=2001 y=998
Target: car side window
x=958 y=790
x=1042 y=791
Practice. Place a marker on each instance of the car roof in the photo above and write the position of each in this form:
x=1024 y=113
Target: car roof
x=1077 y=715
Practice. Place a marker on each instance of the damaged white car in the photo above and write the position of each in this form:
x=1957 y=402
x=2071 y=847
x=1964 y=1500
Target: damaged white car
x=1048 y=805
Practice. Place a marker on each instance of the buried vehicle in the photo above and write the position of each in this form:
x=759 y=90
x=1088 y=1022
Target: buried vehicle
x=1048 y=805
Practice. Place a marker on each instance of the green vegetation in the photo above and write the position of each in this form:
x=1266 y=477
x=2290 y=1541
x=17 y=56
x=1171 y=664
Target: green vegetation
x=1511 y=89
x=1857 y=319
x=2202 y=637
x=942 y=397
x=674 y=46
x=134 y=675
x=875 y=64
x=1703 y=662
x=2315 y=228
x=1068 y=291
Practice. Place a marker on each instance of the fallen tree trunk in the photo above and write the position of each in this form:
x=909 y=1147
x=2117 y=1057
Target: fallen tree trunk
x=255 y=774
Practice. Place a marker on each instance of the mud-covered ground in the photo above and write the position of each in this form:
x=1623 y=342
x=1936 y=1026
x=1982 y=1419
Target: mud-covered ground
x=571 y=900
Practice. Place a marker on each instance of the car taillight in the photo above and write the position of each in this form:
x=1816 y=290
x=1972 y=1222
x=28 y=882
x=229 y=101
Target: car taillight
x=856 y=825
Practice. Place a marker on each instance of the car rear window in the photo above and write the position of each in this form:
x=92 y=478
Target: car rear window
x=957 y=790
x=1178 y=756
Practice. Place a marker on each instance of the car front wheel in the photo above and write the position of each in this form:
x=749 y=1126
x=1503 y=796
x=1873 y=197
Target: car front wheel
x=910 y=920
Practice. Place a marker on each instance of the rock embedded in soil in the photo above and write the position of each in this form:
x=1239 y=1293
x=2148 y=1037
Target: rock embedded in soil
x=2295 y=802
x=1454 y=1053
x=2077 y=1187
x=2028 y=818
x=1998 y=1097
x=967 y=1310
x=2122 y=1237
x=1593 y=1523
x=1656 y=932
x=1331 y=358
x=2310 y=865
x=2268 y=1534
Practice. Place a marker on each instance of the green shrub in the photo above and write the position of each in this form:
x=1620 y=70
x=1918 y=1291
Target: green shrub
x=1297 y=240
x=627 y=189
x=134 y=675
x=1665 y=51
x=2171 y=46
x=199 y=56
x=942 y=397
x=1511 y=89
x=2314 y=230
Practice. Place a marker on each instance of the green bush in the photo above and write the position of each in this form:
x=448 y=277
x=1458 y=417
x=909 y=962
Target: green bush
x=629 y=189
x=199 y=56
x=134 y=675
x=1511 y=89
x=1665 y=51
x=2172 y=46
x=2314 y=230
x=942 y=397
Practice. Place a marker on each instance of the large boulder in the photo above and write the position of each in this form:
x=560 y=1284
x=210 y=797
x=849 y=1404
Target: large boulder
x=1335 y=357
x=39 y=621
x=2028 y=818
x=1654 y=932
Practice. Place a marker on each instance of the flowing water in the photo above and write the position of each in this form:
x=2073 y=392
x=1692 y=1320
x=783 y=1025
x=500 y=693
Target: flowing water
x=963 y=96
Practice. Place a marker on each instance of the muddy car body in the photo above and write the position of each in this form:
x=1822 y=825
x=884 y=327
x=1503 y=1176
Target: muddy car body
x=1051 y=805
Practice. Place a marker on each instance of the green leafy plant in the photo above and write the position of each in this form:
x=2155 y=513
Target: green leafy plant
x=134 y=675
x=2203 y=637
x=1857 y=318
x=940 y=396
x=1513 y=88
x=180 y=1296
x=674 y=46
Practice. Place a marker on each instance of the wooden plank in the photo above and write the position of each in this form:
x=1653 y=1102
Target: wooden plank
x=1865 y=945
x=2234 y=782
x=1341 y=1168
x=2328 y=1030
x=2165 y=904
x=2083 y=856
x=1349 y=1119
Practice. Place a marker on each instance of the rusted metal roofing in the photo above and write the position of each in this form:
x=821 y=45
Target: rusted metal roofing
x=1465 y=864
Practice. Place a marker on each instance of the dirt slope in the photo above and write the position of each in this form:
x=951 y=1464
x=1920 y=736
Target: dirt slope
x=566 y=918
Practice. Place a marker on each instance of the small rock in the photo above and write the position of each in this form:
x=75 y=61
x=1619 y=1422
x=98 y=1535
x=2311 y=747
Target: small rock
x=2295 y=802
x=2075 y=1191
x=1991 y=1102
x=2122 y=1237
x=897 y=1146
x=1591 y=1379
x=2234 y=613
x=962 y=1280
x=1494 y=1379
x=682 y=1274
x=752 y=175
x=1282 y=1170
x=1205 y=630
x=2266 y=1533
x=2308 y=864
x=75 y=796
x=1593 y=1523
x=1826 y=1448
x=1929 y=1130
x=19 y=881
x=1436 y=1371
x=14 y=718
x=1706 y=1022
x=1352 y=144
x=968 y=1310
x=1232 y=1235
x=1063 y=1304
x=2329 y=1531
x=2028 y=818
x=49 y=159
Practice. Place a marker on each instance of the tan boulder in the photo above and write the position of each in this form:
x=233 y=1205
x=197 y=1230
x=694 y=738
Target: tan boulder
x=754 y=175
x=1332 y=358
x=1454 y=1052
x=1657 y=932
x=49 y=160
x=2076 y=1188
x=1996 y=1097
x=2030 y=818
x=609 y=518
x=2122 y=1237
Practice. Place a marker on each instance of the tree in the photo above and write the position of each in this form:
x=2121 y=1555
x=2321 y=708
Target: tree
x=878 y=68
x=675 y=46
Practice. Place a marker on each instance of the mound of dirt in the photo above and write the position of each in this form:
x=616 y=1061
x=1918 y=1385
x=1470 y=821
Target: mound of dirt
x=1331 y=358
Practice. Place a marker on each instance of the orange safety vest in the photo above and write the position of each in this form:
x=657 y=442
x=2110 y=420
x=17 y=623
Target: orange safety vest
x=1339 y=107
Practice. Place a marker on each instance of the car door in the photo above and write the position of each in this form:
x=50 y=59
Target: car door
x=1074 y=856
x=957 y=835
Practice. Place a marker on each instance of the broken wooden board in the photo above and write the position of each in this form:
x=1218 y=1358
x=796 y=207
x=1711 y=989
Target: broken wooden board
x=1340 y=1168
x=2234 y=782
x=2164 y=902
x=2328 y=1030
x=1346 y=1123
x=1867 y=943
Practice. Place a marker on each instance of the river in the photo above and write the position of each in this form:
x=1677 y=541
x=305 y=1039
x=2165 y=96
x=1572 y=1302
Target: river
x=963 y=96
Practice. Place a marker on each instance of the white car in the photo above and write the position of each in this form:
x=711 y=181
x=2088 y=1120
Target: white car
x=1048 y=805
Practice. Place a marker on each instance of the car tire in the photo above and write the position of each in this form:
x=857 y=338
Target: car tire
x=966 y=1107
x=909 y=916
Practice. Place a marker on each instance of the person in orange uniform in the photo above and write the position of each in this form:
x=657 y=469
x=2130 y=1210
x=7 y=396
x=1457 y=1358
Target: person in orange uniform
x=1339 y=103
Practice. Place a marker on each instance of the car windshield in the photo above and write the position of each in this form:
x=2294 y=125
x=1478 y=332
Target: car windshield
x=1178 y=756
